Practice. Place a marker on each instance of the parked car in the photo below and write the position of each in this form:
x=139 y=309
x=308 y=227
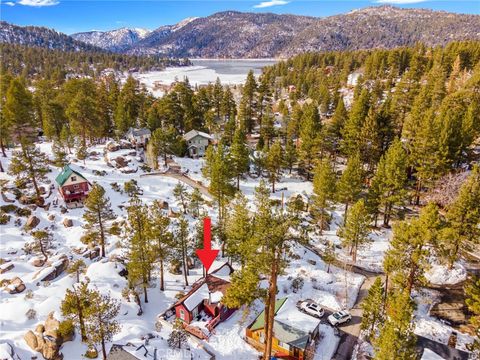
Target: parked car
x=312 y=308
x=339 y=317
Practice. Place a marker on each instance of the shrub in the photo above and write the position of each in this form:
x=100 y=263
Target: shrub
x=9 y=208
x=31 y=314
x=4 y=218
x=29 y=294
x=158 y=326
x=297 y=284
x=23 y=212
x=66 y=329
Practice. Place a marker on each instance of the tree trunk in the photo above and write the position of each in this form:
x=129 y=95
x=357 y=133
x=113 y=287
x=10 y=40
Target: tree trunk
x=2 y=146
x=238 y=182
x=162 y=280
x=1 y=167
x=272 y=291
x=417 y=192
x=104 y=351
x=345 y=214
x=102 y=234
x=145 y=294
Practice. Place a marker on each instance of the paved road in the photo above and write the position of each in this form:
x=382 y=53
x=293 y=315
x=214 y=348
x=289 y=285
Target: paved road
x=349 y=333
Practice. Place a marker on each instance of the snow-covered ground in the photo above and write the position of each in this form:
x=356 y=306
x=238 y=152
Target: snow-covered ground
x=431 y=327
x=203 y=72
x=335 y=289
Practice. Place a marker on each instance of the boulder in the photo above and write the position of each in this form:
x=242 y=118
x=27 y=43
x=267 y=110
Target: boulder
x=111 y=147
x=40 y=329
x=37 y=262
x=31 y=340
x=121 y=162
x=32 y=222
x=51 y=326
x=6 y=267
x=42 y=190
x=16 y=286
x=51 y=217
x=67 y=222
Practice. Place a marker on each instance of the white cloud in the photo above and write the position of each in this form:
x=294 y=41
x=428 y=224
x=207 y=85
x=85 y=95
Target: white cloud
x=399 y=2
x=38 y=3
x=9 y=3
x=265 y=4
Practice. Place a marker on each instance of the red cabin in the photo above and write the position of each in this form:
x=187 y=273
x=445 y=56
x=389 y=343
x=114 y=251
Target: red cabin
x=72 y=186
x=201 y=308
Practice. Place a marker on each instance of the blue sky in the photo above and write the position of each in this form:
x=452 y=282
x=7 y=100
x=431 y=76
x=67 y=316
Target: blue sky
x=71 y=16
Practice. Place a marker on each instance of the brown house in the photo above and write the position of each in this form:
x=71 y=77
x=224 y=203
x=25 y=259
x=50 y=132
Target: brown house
x=201 y=308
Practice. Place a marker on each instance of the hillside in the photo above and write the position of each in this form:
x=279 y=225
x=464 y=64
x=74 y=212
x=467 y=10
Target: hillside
x=114 y=40
x=41 y=37
x=233 y=34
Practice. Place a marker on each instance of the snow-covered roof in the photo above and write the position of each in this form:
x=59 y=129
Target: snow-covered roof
x=193 y=133
x=289 y=314
x=196 y=297
x=138 y=132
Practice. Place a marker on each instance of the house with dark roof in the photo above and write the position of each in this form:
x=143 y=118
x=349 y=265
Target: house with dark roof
x=294 y=332
x=138 y=137
x=201 y=309
x=72 y=186
x=197 y=142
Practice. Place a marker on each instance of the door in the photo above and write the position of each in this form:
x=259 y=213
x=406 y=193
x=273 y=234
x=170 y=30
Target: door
x=194 y=313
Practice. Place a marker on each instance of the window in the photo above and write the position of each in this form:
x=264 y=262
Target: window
x=284 y=346
x=182 y=314
x=76 y=186
x=73 y=178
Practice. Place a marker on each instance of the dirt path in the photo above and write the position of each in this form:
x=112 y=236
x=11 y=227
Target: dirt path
x=185 y=179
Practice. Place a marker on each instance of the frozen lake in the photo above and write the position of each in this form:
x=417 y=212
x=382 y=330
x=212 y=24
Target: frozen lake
x=204 y=71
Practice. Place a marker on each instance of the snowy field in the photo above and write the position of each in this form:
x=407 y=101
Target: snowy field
x=333 y=289
x=204 y=71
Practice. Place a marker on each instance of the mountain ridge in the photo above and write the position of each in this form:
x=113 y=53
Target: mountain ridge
x=235 y=34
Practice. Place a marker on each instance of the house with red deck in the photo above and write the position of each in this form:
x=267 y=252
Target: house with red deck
x=201 y=309
x=72 y=186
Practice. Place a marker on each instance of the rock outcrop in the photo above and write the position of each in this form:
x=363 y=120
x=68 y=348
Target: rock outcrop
x=46 y=339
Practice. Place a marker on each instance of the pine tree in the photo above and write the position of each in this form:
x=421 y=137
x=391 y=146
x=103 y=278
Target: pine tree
x=182 y=244
x=178 y=336
x=18 y=113
x=98 y=211
x=29 y=165
x=354 y=232
x=181 y=195
x=372 y=306
x=128 y=106
x=238 y=230
x=350 y=184
x=77 y=267
x=309 y=142
x=351 y=131
x=273 y=163
x=323 y=190
x=472 y=292
x=59 y=155
x=161 y=144
x=244 y=288
x=239 y=155
x=248 y=103
x=82 y=113
x=392 y=174
x=409 y=248
x=161 y=236
x=290 y=155
x=463 y=217
x=218 y=171
x=77 y=306
x=196 y=202
x=101 y=325
x=396 y=339
x=140 y=251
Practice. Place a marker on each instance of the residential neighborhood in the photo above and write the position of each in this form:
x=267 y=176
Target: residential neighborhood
x=321 y=204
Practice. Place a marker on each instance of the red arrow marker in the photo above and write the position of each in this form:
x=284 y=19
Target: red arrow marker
x=207 y=255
